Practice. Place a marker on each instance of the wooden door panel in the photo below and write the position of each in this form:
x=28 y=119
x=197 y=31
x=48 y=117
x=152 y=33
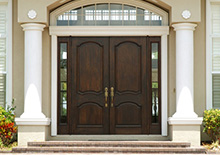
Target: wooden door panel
x=128 y=74
x=90 y=112
x=90 y=68
x=128 y=67
x=123 y=114
x=90 y=76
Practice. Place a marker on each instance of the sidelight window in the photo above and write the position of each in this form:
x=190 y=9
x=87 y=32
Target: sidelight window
x=155 y=70
x=109 y=14
x=63 y=83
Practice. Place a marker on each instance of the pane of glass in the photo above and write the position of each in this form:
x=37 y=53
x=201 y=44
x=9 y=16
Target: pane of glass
x=2 y=89
x=216 y=91
x=63 y=20
x=102 y=14
x=63 y=74
x=76 y=17
x=3 y=54
x=63 y=108
x=155 y=20
x=130 y=15
x=2 y=22
x=141 y=21
x=140 y=11
x=63 y=83
x=215 y=19
x=216 y=54
x=89 y=15
x=63 y=86
x=116 y=14
x=155 y=105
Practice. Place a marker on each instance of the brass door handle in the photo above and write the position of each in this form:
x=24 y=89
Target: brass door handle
x=112 y=96
x=106 y=97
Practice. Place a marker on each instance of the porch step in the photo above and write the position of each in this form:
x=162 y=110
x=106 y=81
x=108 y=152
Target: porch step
x=109 y=147
x=109 y=144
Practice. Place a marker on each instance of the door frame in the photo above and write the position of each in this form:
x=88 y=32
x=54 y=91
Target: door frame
x=162 y=31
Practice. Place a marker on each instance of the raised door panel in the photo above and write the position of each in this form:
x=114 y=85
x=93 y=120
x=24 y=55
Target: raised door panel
x=128 y=67
x=90 y=67
x=90 y=76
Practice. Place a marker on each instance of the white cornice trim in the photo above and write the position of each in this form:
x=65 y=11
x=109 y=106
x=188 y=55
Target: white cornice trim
x=109 y=30
x=185 y=121
x=32 y=121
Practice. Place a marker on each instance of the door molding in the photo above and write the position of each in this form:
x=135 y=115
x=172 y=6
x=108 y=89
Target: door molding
x=162 y=31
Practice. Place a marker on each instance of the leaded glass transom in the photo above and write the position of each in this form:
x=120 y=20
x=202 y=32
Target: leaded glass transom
x=109 y=14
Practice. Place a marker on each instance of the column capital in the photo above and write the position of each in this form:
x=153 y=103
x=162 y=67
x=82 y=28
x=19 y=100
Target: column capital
x=184 y=26
x=33 y=27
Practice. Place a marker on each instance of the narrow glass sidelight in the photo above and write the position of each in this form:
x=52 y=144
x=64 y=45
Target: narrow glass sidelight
x=155 y=82
x=63 y=83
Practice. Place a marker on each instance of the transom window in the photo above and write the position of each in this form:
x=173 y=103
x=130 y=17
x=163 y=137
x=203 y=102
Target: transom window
x=109 y=14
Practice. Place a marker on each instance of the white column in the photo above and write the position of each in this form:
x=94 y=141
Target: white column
x=33 y=71
x=184 y=70
x=185 y=123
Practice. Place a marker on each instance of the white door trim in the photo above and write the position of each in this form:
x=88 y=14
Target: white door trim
x=56 y=31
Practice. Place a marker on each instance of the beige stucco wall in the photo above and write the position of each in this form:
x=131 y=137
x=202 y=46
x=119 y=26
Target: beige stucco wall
x=18 y=63
x=42 y=6
x=200 y=64
x=176 y=7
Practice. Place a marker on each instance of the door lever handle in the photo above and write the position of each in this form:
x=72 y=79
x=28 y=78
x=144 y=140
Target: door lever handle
x=106 y=97
x=112 y=96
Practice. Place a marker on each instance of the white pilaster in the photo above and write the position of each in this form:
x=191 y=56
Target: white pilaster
x=33 y=71
x=164 y=84
x=185 y=123
x=54 y=85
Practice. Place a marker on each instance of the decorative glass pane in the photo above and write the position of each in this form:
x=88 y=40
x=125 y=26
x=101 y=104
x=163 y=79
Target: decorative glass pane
x=63 y=83
x=155 y=100
x=109 y=15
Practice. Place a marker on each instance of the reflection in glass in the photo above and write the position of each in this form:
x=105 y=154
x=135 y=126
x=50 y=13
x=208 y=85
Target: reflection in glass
x=155 y=100
x=109 y=14
x=63 y=83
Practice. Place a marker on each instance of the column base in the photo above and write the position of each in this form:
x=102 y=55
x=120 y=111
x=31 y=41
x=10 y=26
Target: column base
x=32 y=129
x=186 y=129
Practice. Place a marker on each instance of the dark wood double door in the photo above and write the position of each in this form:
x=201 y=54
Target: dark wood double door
x=108 y=86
